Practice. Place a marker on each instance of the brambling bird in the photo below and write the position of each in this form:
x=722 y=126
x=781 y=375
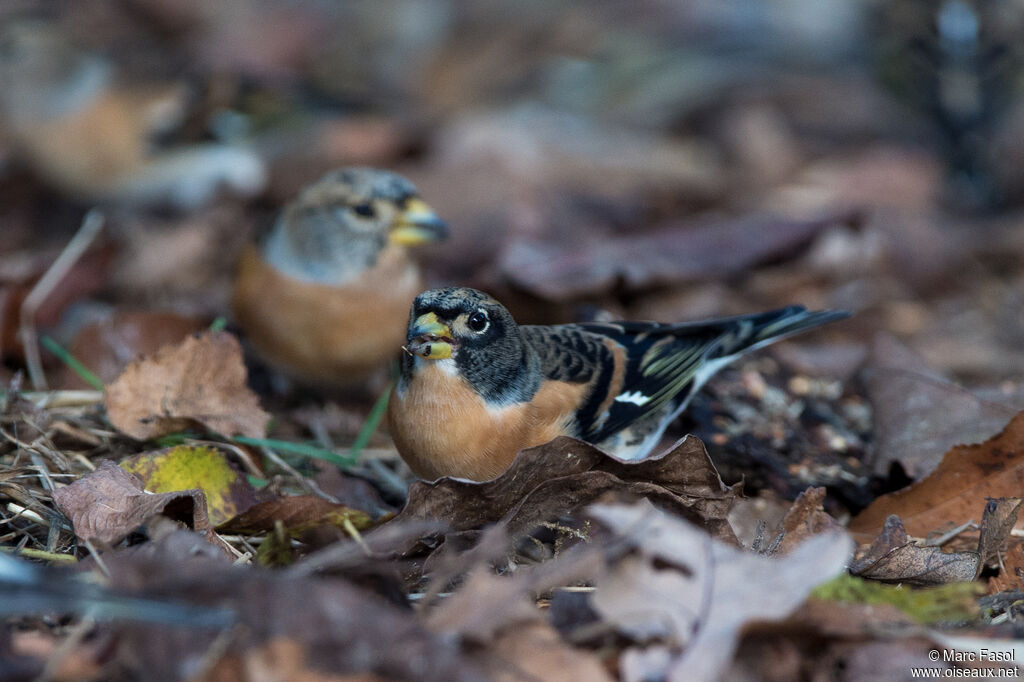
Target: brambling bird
x=325 y=296
x=475 y=388
x=70 y=119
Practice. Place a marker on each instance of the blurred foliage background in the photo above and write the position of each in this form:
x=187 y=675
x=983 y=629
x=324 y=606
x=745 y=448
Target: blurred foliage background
x=656 y=159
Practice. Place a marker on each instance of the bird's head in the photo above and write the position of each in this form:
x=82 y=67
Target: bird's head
x=445 y=321
x=340 y=224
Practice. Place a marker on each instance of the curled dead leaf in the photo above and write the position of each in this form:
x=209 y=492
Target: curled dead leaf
x=696 y=593
x=110 y=503
x=201 y=379
x=805 y=519
x=893 y=558
x=565 y=474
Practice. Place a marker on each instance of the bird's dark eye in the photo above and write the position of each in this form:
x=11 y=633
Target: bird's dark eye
x=365 y=210
x=477 y=321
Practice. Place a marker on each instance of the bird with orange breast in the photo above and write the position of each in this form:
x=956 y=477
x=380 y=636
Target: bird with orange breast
x=325 y=296
x=476 y=388
x=68 y=114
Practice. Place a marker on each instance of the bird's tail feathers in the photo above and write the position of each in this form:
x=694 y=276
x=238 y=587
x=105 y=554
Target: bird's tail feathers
x=759 y=330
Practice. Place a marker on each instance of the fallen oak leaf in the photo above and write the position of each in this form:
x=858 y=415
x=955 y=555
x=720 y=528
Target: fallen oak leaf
x=187 y=467
x=109 y=503
x=565 y=474
x=959 y=486
x=202 y=379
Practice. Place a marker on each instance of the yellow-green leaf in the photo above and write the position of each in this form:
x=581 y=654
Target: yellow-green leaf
x=187 y=467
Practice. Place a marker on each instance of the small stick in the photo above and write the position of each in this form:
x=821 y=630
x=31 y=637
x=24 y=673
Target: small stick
x=306 y=483
x=91 y=226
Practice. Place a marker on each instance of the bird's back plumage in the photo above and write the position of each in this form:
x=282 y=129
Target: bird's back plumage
x=659 y=368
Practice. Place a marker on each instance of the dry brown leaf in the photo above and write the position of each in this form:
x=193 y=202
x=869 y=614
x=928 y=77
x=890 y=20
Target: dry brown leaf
x=202 y=379
x=536 y=652
x=920 y=415
x=488 y=604
x=805 y=519
x=298 y=513
x=340 y=627
x=956 y=491
x=893 y=558
x=698 y=593
x=998 y=519
x=565 y=474
x=110 y=503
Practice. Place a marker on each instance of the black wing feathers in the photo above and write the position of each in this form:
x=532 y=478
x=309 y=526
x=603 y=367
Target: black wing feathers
x=665 y=362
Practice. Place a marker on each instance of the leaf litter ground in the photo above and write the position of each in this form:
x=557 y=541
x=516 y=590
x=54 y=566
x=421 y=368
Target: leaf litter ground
x=205 y=551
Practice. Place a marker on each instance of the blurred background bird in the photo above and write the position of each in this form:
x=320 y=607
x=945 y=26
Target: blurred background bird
x=325 y=296
x=73 y=121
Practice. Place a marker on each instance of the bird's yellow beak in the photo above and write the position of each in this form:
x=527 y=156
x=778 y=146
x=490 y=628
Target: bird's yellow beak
x=417 y=224
x=430 y=338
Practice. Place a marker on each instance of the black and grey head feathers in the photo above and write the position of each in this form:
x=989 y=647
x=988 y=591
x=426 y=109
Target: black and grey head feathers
x=488 y=346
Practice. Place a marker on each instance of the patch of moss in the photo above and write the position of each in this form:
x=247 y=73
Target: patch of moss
x=956 y=602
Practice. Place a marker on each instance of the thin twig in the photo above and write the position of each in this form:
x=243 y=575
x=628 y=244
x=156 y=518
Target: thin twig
x=56 y=557
x=83 y=239
x=306 y=483
x=25 y=513
x=353 y=532
x=99 y=560
x=940 y=540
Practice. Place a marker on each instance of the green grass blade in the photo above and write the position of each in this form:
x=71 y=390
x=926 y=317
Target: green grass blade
x=72 y=362
x=304 y=449
x=371 y=423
